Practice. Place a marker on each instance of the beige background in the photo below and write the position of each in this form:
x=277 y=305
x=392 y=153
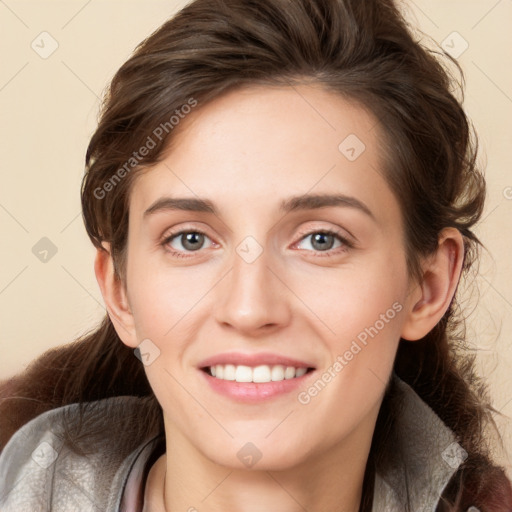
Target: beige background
x=48 y=112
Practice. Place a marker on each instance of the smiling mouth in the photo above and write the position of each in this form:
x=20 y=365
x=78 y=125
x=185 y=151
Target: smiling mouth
x=256 y=374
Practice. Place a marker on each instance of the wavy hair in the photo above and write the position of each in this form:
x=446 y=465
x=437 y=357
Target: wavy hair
x=365 y=51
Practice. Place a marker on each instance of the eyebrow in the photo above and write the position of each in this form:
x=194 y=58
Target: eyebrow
x=292 y=204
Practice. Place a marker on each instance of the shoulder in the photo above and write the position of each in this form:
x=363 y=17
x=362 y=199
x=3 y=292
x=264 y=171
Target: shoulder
x=420 y=454
x=424 y=468
x=75 y=457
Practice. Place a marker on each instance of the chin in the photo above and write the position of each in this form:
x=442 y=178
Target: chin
x=256 y=456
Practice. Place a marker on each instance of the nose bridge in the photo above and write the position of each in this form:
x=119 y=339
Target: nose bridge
x=251 y=295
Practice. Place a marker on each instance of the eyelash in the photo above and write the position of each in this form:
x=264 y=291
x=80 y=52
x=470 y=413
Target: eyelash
x=346 y=244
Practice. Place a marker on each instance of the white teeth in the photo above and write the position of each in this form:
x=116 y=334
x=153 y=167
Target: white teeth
x=243 y=374
x=229 y=372
x=289 y=373
x=262 y=373
x=300 y=372
x=277 y=373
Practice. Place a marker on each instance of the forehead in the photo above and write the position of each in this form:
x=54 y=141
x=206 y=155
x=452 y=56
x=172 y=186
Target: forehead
x=261 y=143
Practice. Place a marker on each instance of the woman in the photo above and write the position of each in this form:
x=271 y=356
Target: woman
x=303 y=354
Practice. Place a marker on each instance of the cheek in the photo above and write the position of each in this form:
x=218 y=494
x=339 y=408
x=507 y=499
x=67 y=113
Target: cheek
x=360 y=313
x=364 y=320
x=161 y=297
x=348 y=300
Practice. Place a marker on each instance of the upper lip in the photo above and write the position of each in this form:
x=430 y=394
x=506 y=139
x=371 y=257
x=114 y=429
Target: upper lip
x=258 y=359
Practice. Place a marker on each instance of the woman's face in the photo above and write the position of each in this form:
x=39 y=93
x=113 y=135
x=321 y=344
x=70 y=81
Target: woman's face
x=254 y=281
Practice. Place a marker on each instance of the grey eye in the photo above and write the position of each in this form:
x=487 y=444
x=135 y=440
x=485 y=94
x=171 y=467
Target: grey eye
x=321 y=241
x=190 y=241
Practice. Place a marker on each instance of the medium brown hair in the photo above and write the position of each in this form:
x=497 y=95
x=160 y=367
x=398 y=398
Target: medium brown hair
x=363 y=50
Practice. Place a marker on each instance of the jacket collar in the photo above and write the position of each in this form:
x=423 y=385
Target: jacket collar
x=421 y=456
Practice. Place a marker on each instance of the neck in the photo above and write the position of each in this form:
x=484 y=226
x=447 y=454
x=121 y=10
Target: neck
x=185 y=480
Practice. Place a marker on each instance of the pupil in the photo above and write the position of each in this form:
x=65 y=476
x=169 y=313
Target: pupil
x=191 y=240
x=320 y=238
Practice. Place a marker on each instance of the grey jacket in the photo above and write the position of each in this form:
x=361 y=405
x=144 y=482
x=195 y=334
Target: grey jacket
x=39 y=472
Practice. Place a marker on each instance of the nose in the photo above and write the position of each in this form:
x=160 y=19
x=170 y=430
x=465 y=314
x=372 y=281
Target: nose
x=252 y=298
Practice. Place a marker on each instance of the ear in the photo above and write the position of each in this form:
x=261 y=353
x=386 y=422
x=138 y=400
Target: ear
x=115 y=296
x=431 y=298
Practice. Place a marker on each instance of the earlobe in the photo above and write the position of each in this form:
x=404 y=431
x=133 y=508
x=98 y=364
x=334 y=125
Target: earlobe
x=433 y=295
x=114 y=295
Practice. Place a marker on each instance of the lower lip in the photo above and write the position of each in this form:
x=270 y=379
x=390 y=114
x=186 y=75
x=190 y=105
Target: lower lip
x=254 y=392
